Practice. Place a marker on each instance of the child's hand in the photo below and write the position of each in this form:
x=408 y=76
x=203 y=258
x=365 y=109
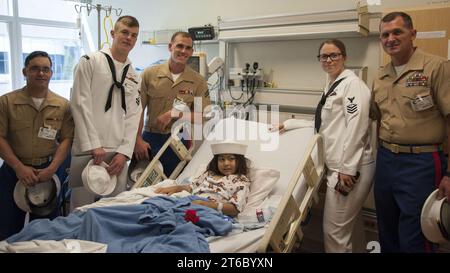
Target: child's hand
x=277 y=127
x=201 y=202
x=170 y=190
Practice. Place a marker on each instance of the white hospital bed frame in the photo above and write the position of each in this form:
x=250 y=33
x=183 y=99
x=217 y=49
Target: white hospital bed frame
x=284 y=229
x=153 y=173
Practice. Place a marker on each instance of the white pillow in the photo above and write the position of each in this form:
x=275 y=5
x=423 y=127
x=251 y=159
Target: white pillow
x=262 y=182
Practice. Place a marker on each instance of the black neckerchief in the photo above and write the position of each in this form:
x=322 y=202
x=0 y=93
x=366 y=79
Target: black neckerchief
x=318 y=114
x=116 y=83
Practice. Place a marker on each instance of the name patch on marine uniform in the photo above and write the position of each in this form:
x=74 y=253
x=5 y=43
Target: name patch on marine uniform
x=351 y=107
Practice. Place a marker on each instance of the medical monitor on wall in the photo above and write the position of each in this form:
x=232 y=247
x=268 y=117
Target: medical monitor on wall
x=198 y=63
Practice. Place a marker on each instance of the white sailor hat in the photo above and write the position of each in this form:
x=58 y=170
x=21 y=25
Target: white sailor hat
x=228 y=147
x=97 y=180
x=40 y=199
x=435 y=219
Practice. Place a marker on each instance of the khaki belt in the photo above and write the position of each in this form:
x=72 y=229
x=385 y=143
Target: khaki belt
x=397 y=148
x=36 y=161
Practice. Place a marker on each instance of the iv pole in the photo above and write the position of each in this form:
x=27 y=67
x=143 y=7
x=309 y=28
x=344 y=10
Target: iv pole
x=99 y=8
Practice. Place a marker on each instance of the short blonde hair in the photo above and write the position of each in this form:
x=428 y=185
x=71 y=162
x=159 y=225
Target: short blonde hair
x=127 y=20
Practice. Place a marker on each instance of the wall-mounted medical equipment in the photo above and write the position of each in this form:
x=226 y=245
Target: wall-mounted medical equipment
x=248 y=78
x=202 y=33
x=198 y=62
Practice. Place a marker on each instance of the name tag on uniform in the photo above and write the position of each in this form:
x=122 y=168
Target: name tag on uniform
x=422 y=103
x=327 y=104
x=47 y=133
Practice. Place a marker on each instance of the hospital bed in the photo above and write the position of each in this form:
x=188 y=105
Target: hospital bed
x=296 y=154
x=298 y=157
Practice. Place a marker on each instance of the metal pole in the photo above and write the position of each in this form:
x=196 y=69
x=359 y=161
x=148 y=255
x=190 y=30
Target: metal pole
x=99 y=9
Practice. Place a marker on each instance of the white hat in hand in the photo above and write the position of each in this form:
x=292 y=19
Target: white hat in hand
x=40 y=199
x=97 y=180
x=435 y=219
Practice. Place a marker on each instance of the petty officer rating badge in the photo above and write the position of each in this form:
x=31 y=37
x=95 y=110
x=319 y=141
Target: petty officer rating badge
x=352 y=107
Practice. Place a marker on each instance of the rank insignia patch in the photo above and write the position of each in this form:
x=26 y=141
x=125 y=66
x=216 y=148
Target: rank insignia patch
x=352 y=107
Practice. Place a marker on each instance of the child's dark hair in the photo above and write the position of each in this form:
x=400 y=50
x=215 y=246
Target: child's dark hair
x=241 y=165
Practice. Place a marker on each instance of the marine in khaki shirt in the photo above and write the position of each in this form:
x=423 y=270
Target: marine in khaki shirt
x=21 y=122
x=414 y=104
x=159 y=90
x=412 y=98
x=36 y=132
x=171 y=91
x=31 y=135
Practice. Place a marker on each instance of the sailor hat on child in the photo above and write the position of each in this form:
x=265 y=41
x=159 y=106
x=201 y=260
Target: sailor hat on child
x=229 y=147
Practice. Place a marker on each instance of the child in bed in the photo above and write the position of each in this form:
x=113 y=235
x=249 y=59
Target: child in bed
x=224 y=183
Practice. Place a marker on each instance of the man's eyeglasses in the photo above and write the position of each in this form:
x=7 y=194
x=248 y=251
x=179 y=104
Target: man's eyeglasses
x=332 y=56
x=37 y=69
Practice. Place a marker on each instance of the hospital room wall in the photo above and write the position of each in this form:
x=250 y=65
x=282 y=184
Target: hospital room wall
x=292 y=63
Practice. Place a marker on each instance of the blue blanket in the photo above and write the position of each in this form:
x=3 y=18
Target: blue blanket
x=157 y=225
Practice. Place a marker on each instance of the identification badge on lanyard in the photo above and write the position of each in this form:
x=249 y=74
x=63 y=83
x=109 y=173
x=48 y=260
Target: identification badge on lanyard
x=422 y=103
x=47 y=133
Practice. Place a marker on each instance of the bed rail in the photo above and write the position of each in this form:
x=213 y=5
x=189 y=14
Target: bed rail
x=285 y=227
x=153 y=173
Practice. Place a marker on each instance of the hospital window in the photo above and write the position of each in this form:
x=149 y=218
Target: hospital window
x=5 y=7
x=5 y=60
x=47 y=25
x=62 y=11
x=4 y=63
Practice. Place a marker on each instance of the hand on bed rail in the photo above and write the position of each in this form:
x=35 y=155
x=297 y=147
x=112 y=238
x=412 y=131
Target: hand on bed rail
x=141 y=149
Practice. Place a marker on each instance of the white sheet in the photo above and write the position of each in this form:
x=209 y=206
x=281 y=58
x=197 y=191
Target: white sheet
x=264 y=151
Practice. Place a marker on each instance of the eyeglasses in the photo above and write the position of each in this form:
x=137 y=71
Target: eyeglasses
x=37 y=69
x=332 y=56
